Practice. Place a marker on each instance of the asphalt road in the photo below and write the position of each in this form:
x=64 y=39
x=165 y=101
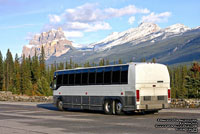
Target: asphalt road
x=32 y=118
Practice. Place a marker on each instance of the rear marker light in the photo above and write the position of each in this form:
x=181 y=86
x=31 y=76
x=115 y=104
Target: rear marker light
x=138 y=95
x=169 y=94
x=122 y=93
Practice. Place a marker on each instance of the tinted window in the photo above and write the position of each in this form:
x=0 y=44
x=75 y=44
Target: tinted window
x=78 y=79
x=116 y=75
x=107 y=75
x=84 y=78
x=71 y=79
x=99 y=79
x=59 y=79
x=124 y=75
x=65 y=79
x=92 y=76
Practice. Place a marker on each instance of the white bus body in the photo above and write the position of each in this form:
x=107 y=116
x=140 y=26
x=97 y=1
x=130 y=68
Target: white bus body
x=146 y=88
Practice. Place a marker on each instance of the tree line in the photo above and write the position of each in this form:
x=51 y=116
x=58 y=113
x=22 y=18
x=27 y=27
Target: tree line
x=185 y=81
x=31 y=76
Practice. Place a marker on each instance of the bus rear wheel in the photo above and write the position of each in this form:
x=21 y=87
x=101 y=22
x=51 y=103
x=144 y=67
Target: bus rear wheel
x=60 y=105
x=108 y=107
x=119 y=108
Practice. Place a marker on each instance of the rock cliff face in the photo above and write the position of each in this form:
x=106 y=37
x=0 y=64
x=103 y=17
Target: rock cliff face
x=53 y=41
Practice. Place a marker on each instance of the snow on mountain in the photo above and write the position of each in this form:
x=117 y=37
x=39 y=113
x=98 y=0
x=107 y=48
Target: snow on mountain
x=176 y=28
x=123 y=37
x=56 y=44
x=144 y=32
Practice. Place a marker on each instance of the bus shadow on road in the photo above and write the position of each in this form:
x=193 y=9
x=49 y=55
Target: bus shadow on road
x=48 y=106
x=51 y=107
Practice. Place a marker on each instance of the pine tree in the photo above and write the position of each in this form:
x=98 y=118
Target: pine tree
x=17 y=77
x=107 y=62
x=102 y=62
x=120 y=61
x=43 y=87
x=42 y=62
x=26 y=85
x=93 y=64
x=61 y=66
x=143 y=60
x=153 y=60
x=66 y=65
x=1 y=72
x=9 y=67
x=87 y=64
x=35 y=68
x=70 y=64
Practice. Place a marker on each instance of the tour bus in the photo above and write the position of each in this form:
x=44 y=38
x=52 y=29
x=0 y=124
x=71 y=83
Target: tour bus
x=113 y=88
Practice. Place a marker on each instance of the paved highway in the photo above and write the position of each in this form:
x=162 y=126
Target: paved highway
x=33 y=118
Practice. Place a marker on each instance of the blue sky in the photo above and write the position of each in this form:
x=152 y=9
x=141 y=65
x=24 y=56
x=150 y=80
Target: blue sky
x=87 y=21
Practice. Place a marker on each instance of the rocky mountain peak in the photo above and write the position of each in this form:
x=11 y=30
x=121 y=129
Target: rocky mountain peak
x=177 y=28
x=53 y=41
x=145 y=25
x=132 y=34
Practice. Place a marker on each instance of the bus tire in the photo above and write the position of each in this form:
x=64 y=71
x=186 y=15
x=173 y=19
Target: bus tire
x=60 y=105
x=119 y=108
x=108 y=108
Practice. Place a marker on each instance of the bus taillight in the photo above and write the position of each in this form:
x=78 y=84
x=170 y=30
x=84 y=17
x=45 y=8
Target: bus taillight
x=138 y=95
x=169 y=94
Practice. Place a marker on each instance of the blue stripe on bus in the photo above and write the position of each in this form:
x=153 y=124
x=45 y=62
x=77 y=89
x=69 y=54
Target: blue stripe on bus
x=125 y=68
x=100 y=69
x=116 y=68
x=93 y=70
x=108 y=69
x=84 y=70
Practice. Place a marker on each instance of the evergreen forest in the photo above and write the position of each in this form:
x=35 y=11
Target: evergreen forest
x=31 y=76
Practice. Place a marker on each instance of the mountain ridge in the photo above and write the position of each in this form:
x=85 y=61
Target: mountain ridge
x=147 y=41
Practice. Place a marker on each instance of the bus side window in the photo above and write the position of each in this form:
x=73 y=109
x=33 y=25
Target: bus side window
x=78 y=79
x=107 y=75
x=59 y=81
x=124 y=75
x=92 y=74
x=116 y=75
x=99 y=76
x=71 y=79
x=65 y=79
x=85 y=78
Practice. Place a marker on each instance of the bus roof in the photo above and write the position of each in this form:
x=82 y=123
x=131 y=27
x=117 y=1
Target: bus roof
x=130 y=63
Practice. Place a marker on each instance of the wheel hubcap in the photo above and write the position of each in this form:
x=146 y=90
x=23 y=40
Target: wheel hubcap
x=107 y=107
x=119 y=106
x=60 y=104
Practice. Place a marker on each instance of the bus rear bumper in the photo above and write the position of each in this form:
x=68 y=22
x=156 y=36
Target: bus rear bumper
x=152 y=106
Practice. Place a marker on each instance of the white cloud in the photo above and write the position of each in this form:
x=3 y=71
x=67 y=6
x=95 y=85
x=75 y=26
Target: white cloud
x=128 y=10
x=131 y=20
x=30 y=35
x=54 y=18
x=98 y=26
x=90 y=12
x=86 y=13
x=86 y=27
x=89 y=18
x=156 y=18
x=73 y=34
